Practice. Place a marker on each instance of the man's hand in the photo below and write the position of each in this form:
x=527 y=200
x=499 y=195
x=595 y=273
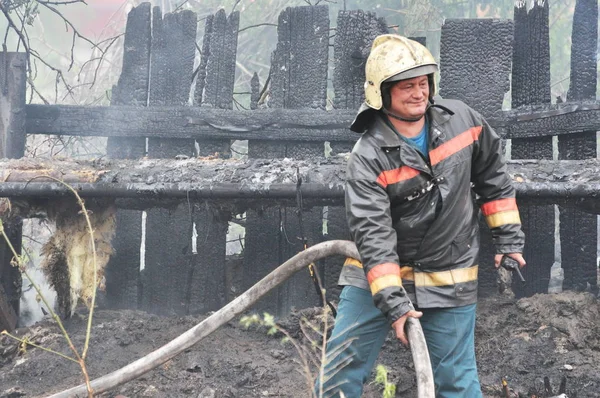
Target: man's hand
x=399 y=325
x=518 y=257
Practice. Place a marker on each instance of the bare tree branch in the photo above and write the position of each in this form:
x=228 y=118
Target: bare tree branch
x=60 y=3
x=257 y=25
x=22 y=15
x=102 y=58
x=28 y=50
x=69 y=24
x=180 y=5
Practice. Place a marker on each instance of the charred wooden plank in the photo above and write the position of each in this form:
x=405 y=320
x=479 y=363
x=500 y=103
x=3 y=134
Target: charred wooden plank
x=276 y=124
x=531 y=86
x=356 y=30
x=191 y=122
x=479 y=84
x=13 y=76
x=579 y=230
x=206 y=284
x=123 y=268
x=272 y=180
x=132 y=87
x=207 y=171
x=548 y=120
x=8 y=317
x=298 y=78
x=165 y=278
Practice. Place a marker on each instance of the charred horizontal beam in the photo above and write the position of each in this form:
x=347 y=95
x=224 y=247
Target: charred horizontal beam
x=260 y=182
x=191 y=122
x=275 y=124
x=263 y=191
x=549 y=120
x=161 y=191
x=234 y=195
x=212 y=171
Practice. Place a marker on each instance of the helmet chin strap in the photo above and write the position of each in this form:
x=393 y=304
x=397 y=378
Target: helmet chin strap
x=405 y=119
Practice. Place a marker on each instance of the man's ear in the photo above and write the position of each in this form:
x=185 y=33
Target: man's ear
x=386 y=96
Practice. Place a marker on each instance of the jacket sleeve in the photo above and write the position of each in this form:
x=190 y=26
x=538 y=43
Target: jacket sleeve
x=369 y=219
x=496 y=194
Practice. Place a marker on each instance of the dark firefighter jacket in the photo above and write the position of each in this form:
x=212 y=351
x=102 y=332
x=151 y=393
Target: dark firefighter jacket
x=415 y=222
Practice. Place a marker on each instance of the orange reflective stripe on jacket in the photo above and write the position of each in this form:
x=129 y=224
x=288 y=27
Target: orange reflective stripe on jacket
x=501 y=212
x=394 y=176
x=457 y=143
x=385 y=275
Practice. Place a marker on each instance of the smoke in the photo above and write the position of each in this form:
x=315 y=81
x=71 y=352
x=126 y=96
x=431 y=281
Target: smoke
x=35 y=233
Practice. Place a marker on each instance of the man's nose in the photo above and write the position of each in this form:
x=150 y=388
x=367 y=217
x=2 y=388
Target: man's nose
x=418 y=92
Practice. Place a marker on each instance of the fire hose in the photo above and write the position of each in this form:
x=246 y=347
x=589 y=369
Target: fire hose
x=425 y=386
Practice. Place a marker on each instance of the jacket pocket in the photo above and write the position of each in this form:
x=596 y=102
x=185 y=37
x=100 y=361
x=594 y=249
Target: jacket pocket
x=466 y=289
x=462 y=245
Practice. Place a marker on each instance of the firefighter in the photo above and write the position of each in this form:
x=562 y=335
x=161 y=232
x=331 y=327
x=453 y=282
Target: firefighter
x=411 y=182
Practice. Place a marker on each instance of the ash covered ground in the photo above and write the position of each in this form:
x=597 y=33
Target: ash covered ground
x=556 y=336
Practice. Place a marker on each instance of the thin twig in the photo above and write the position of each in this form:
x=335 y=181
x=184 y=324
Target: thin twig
x=17 y=31
x=261 y=96
x=60 y=3
x=256 y=26
x=4 y=332
x=68 y=23
x=23 y=39
x=239 y=105
x=19 y=262
x=35 y=90
x=93 y=244
x=22 y=24
x=6 y=35
x=95 y=281
x=180 y=5
x=102 y=58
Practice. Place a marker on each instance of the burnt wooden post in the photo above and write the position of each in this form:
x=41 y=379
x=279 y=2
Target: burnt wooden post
x=354 y=36
x=214 y=88
x=168 y=260
x=481 y=84
x=13 y=76
x=531 y=85
x=578 y=230
x=355 y=32
x=123 y=268
x=298 y=80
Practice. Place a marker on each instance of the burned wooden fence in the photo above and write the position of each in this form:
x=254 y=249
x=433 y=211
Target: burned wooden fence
x=150 y=115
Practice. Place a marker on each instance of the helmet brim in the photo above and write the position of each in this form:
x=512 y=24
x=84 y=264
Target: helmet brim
x=417 y=71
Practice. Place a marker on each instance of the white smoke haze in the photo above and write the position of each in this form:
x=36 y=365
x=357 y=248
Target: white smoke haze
x=102 y=21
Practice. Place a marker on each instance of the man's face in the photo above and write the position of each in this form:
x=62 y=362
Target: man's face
x=410 y=97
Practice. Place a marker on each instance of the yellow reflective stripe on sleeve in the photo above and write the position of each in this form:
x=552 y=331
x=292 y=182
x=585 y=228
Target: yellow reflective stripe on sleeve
x=503 y=218
x=385 y=281
x=407 y=273
x=353 y=262
x=445 y=278
x=441 y=278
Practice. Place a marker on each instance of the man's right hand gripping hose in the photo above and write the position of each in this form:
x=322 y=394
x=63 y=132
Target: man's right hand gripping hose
x=408 y=330
x=399 y=325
